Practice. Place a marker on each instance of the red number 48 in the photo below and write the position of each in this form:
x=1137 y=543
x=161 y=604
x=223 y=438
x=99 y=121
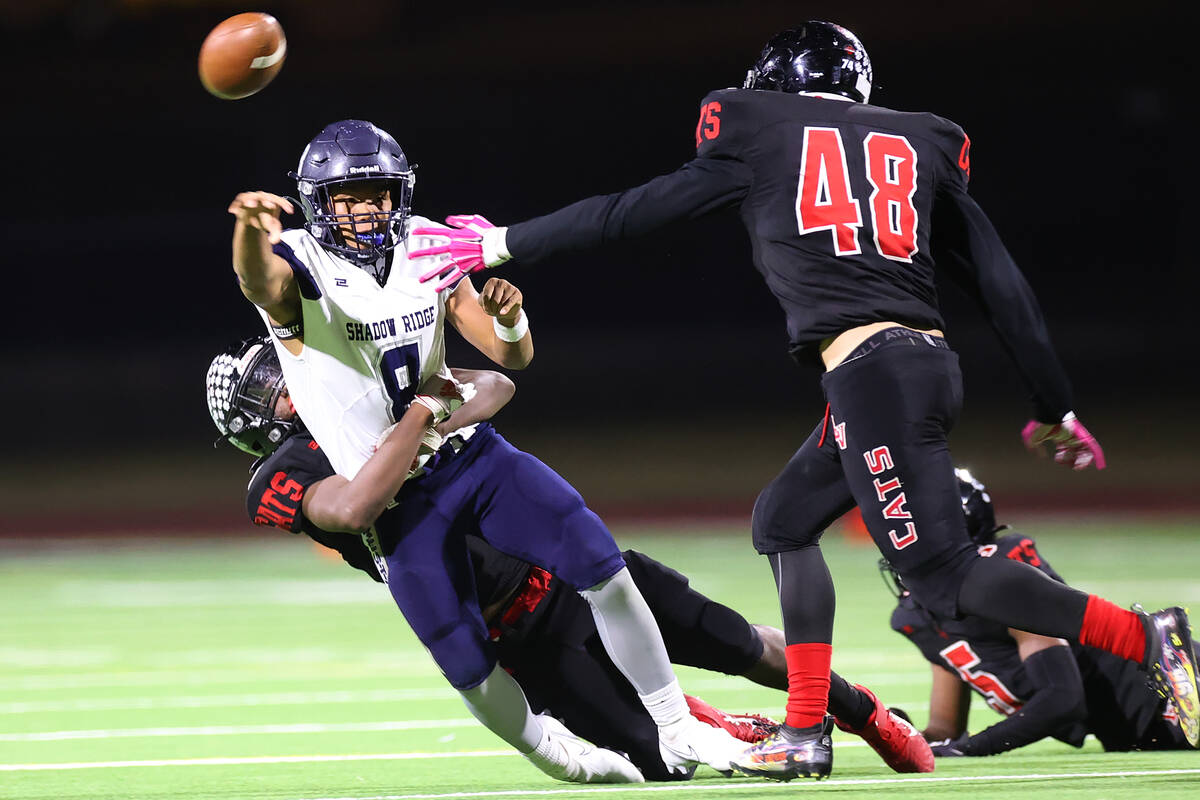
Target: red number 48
x=824 y=200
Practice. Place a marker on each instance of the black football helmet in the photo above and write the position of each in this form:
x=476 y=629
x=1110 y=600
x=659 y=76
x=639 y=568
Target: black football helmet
x=815 y=57
x=244 y=385
x=346 y=152
x=977 y=508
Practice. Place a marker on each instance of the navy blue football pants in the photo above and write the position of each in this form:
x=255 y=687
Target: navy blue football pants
x=516 y=503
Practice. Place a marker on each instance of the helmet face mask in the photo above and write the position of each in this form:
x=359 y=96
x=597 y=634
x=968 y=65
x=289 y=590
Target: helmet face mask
x=977 y=508
x=244 y=389
x=342 y=159
x=815 y=57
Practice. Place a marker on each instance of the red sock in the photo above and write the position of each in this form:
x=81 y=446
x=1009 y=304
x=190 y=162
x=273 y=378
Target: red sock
x=1110 y=627
x=808 y=682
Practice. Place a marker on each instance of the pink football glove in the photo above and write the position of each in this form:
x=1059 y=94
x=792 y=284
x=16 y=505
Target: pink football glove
x=1070 y=441
x=466 y=248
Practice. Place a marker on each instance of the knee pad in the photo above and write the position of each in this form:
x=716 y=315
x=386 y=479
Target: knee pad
x=463 y=656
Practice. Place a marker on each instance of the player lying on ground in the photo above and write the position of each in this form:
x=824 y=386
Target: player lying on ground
x=849 y=208
x=544 y=632
x=1043 y=686
x=359 y=338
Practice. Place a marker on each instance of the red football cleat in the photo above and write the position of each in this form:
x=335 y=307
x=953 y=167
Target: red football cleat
x=750 y=728
x=900 y=745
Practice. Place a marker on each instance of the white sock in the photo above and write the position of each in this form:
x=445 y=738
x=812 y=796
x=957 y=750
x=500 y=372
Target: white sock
x=635 y=644
x=667 y=706
x=500 y=704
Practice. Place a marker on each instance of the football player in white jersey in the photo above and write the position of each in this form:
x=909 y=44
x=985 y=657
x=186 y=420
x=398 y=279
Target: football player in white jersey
x=360 y=338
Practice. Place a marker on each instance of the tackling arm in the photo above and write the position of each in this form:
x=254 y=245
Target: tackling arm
x=351 y=506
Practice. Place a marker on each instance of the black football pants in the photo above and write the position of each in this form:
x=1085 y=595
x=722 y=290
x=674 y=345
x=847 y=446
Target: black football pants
x=883 y=446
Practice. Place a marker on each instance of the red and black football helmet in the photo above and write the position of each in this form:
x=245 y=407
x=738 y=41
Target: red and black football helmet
x=815 y=57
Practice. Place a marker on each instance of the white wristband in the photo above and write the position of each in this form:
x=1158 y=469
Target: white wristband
x=514 y=334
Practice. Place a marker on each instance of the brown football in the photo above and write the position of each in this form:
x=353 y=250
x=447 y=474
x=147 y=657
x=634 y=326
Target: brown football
x=242 y=55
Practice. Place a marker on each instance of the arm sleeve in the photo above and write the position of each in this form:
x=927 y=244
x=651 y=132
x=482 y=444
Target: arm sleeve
x=966 y=244
x=1059 y=701
x=698 y=187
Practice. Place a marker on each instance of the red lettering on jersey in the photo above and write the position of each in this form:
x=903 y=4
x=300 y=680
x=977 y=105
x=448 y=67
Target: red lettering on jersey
x=892 y=173
x=964 y=156
x=896 y=509
x=1026 y=552
x=823 y=200
x=709 y=126
x=960 y=656
x=882 y=489
x=313 y=445
x=910 y=534
x=281 y=483
x=265 y=516
x=839 y=434
x=879 y=460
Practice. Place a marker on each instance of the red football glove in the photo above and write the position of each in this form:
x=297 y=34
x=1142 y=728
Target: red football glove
x=1071 y=443
x=476 y=245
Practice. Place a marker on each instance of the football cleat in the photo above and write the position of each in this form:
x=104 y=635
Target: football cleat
x=564 y=756
x=751 y=728
x=790 y=753
x=688 y=743
x=899 y=744
x=1171 y=662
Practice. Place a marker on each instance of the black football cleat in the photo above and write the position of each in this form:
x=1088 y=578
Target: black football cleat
x=790 y=753
x=1171 y=664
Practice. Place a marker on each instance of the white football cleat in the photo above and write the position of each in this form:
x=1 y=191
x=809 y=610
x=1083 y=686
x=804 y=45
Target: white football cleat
x=689 y=742
x=564 y=756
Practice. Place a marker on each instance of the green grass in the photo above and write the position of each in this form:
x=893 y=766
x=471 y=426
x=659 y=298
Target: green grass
x=247 y=653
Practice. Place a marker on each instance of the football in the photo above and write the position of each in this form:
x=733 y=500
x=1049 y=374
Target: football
x=242 y=55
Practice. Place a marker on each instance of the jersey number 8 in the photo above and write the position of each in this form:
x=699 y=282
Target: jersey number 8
x=824 y=200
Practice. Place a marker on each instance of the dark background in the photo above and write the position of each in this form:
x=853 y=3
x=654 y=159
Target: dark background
x=661 y=382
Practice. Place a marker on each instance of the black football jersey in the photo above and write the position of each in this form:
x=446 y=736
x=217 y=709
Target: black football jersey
x=1121 y=705
x=848 y=207
x=276 y=492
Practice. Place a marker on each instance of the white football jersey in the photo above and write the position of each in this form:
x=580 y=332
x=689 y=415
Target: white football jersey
x=367 y=348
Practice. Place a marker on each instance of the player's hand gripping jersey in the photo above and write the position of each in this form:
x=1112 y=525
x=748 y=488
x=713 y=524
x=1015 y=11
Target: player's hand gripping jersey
x=847 y=206
x=367 y=348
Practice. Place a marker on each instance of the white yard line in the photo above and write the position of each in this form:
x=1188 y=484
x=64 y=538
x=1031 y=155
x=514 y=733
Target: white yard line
x=221 y=762
x=229 y=700
x=236 y=730
x=757 y=785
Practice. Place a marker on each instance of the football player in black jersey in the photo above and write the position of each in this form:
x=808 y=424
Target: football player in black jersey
x=1044 y=686
x=848 y=207
x=544 y=631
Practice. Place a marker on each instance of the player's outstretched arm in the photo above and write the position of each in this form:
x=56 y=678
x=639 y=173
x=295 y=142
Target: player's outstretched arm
x=265 y=278
x=493 y=320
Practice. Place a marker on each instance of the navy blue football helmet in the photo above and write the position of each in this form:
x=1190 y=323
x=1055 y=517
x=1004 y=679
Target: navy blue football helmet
x=348 y=152
x=815 y=57
x=244 y=387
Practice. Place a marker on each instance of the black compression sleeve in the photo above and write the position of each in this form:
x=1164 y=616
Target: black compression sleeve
x=698 y=187
x=1058 y=701
x=968 y=245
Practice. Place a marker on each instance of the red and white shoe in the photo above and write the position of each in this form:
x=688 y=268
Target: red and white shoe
x=899 y=744
x=752 y=728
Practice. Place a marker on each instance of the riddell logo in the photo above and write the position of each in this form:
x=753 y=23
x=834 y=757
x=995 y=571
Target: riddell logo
x=370 y=168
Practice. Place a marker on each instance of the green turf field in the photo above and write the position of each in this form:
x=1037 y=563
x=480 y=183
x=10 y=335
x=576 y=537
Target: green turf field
x=214 y=669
